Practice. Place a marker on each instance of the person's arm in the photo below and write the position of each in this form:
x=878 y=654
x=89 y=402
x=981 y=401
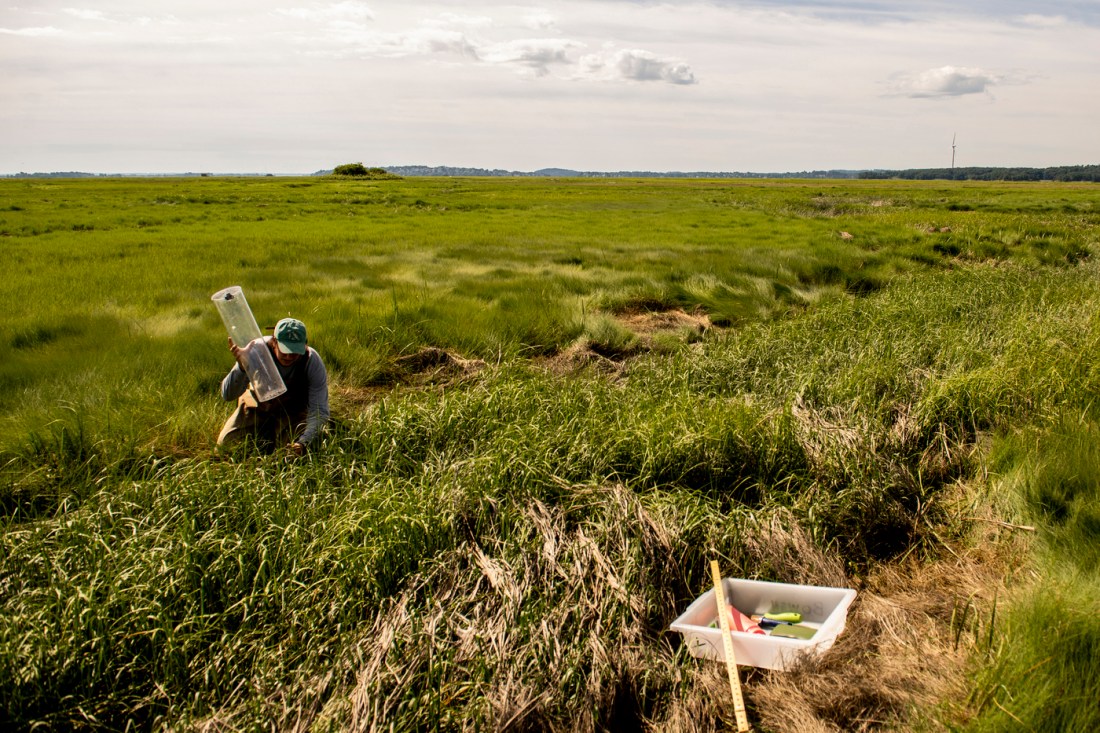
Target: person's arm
x=317 y=412
x=236 y=382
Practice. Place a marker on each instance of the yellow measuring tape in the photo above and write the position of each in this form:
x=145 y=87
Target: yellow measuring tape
x=727 y=643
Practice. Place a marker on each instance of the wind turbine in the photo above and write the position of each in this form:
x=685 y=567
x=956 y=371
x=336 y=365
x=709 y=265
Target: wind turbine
x=952 y=156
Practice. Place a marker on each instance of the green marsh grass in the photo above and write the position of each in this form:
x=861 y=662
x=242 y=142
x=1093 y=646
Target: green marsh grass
x=106 y=269
x=1041 y=674
x=509 y=548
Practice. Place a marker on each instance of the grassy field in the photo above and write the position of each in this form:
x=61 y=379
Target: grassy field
x=555 y=401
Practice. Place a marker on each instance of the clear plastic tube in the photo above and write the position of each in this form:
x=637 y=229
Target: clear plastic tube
x=237 y=316
x=259 y=365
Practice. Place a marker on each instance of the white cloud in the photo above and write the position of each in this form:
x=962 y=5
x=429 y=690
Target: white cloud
x=534 y=53
x=342 y=11
x=120 y=22
x=637 y=65
x=540 y=20
x=1036 y=20
x=344 y=40
x=453 y=19
x=947 y=81
x=644 y=66
x=38 y=32
x=432 y=40
x=84 y=14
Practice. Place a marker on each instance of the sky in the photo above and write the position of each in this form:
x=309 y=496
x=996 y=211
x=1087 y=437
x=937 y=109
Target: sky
x=296 y=86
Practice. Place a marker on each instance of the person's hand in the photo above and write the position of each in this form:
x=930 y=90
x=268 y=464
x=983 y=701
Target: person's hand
x=238 y=354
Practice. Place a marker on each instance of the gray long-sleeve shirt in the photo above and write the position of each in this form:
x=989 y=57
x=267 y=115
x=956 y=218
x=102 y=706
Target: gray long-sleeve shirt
x=317 y=410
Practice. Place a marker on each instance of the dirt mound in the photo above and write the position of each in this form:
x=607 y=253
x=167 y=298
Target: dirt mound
x=432 y=366
x=428 y=367
x=647 y=326
x=579 y=357
x=651 y=323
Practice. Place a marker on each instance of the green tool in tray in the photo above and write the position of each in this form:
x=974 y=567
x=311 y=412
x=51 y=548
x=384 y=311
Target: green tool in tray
x=792 y=631
x=787 y=626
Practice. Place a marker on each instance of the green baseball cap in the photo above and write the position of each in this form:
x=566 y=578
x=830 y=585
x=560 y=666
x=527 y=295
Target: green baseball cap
x=290 y=336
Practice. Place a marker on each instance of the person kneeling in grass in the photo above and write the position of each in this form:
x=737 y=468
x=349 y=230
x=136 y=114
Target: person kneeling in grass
x=298 y=414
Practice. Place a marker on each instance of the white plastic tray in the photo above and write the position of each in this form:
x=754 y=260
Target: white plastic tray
x=825 y=609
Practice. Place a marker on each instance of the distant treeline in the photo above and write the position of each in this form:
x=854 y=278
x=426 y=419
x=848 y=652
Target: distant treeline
x=81 y=174
x=55 y=174
x=1059 y=173
x=446 y=170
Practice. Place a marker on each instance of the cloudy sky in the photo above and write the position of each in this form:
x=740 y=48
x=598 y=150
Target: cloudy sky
x=294 y=86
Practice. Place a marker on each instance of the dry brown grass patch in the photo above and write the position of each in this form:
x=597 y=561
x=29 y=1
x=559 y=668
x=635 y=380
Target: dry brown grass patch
x=426 y=368
x=581 y=357
x=900 y=663
x=653 y=322
x=431 y=366
x=536 y=633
